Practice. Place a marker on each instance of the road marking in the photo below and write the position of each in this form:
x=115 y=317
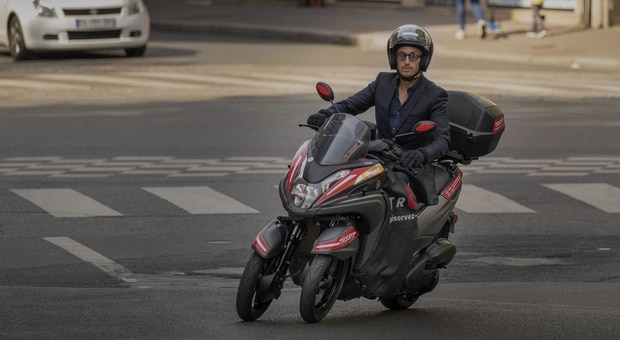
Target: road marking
x=200 y=174
x=599 y=195
x=477 y=200
x=493 y=85
x=262 y=172
x=220 y=80
x=118 y=80
x=166 y=166
x=298 y=80
x=40 y=85
x=201 y=200
x=65 y=203
x=516 y=261
x=88 y=255
x=33 y=173
x=531 y=84
x=60 y=167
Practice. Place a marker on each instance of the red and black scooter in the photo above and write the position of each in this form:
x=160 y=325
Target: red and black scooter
x=358 y=224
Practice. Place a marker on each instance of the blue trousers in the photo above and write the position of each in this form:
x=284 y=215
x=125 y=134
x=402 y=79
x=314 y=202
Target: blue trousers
x=476 y=10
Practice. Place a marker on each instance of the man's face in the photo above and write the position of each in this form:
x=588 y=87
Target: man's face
x=407 y=68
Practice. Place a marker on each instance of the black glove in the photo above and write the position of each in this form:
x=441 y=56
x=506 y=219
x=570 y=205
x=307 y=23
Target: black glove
x=317 y=119
x=412 y=159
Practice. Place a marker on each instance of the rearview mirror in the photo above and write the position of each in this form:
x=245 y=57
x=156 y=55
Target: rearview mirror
x=325 y=91
x=425 y=127
x=421 y=128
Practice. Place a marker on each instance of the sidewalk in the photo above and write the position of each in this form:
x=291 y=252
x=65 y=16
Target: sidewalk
x=369 y=27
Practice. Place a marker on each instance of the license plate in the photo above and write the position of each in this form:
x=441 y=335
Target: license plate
x=95 y=23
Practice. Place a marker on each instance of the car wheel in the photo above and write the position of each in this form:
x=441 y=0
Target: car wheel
x=16 y=41
x=135 y=52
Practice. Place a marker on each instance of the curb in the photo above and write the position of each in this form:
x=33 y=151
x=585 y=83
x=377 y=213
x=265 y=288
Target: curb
x=372 y=41
x=260 y=31
x=590 y=63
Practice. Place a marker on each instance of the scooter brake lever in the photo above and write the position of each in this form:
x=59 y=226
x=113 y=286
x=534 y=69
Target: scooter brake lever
x=313 y=127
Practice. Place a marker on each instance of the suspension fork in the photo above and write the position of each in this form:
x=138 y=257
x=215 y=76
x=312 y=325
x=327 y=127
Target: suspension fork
x=289 y=249
x=270 y=286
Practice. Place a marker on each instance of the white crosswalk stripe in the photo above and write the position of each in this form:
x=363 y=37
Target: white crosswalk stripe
x=201 y=200
x=65 y=203
x=600 y=195
x=474 y=199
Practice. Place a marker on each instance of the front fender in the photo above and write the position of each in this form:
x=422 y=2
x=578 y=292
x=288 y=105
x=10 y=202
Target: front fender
x=340 y=242
x=268 y=243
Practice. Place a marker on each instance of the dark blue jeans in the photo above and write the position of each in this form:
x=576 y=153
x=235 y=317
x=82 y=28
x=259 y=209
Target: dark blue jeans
x=476 y=10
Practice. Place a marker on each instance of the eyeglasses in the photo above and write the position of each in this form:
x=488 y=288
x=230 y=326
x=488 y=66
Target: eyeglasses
x=401 y=56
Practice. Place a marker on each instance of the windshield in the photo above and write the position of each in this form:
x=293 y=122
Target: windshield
x=342 y=139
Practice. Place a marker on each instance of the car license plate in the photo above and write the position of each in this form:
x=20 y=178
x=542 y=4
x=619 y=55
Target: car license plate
x=95 y=23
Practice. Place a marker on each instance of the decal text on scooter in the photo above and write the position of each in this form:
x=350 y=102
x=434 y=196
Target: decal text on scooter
x=400 y=218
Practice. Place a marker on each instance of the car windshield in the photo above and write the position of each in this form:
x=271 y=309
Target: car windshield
x=341 y=139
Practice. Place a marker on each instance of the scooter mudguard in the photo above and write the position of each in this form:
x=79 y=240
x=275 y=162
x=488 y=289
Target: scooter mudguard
x=268 y=243
x=340 y=242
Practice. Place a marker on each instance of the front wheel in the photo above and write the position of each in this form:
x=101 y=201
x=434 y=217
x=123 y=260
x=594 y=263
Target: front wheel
x=248 y=306
x=321 y=287
x=17 y=45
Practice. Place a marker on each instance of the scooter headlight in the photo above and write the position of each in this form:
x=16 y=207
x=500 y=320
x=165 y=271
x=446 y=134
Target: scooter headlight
x=327 y=183
x=304 y=194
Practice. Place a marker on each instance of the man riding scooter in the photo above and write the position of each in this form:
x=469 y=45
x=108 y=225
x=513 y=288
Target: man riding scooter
x=403 y=98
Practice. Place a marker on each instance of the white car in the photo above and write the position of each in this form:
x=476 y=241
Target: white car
x=30 y=26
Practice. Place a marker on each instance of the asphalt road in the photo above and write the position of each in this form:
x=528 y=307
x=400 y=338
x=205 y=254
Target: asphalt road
x=121 y=139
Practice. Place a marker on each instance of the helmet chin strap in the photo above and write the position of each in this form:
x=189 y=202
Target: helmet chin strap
x=409 y=79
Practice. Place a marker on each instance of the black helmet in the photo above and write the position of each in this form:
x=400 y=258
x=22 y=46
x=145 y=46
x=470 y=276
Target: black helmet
x=410 y=35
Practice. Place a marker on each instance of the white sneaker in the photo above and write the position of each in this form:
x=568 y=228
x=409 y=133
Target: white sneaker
x=459 y=35
x=481 y=29
x=530 y=34
x=541 y=34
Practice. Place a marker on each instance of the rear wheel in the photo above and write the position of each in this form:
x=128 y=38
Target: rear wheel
x=397 y=302
x=17 y=45
x=321 y=287
x=249 y=307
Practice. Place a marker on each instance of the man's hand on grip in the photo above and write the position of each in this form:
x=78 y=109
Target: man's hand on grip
x=412 y=159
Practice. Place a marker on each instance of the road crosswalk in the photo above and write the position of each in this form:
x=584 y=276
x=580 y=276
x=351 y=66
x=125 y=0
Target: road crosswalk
x=61 y=167
x=204 y=200
x=248 y=79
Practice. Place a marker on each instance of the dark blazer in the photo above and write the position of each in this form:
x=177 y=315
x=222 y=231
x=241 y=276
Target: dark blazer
x=427 y=102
